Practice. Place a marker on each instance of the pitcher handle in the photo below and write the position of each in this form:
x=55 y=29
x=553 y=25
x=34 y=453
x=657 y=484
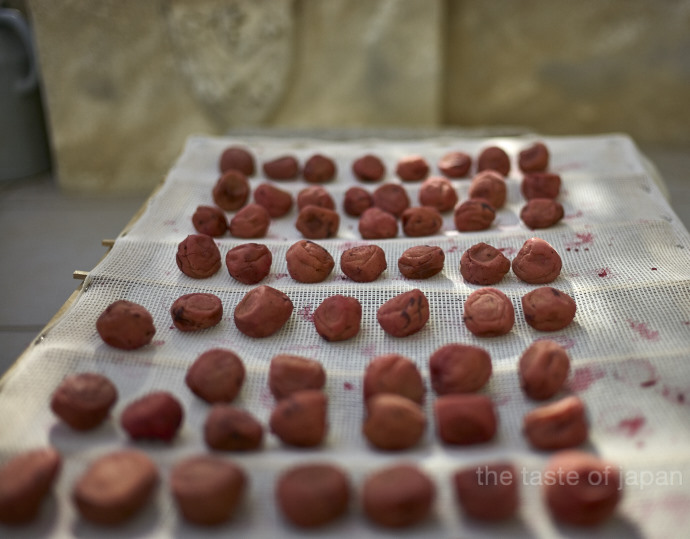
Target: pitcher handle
x=14 y=20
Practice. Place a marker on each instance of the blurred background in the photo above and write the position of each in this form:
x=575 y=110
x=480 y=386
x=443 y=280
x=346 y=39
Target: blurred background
x=125 y=81
x=122 y=83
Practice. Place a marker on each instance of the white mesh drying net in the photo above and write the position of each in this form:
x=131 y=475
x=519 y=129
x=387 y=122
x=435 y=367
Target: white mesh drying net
x=625 y=262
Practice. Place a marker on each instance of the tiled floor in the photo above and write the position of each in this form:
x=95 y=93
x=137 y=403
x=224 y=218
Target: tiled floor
x=47 y=234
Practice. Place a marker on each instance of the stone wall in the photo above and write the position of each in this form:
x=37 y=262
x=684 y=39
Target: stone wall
x=126 y=81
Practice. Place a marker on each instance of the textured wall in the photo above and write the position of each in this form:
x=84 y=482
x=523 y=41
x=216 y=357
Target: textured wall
x=571 y=67
x=127 y=81
x=366 y=63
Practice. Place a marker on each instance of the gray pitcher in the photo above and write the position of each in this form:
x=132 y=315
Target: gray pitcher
x=24 y=147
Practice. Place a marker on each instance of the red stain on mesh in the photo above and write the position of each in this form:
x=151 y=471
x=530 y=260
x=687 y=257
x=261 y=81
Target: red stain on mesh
x=584 y=377
x=348 y=386
x=369 y=350
x=581 y=238
x=643 y=331
x=565 y=342
x=587 y=237
x=636 y=372
x=266 y=398
x=502 y=401
x=605 y=272
x=632 y=425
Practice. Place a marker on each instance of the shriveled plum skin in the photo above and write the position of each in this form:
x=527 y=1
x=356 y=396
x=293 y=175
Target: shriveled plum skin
x=228 y=428
x=115 y=487
x=398 y=496
x=249 y=263
x=543 y=369
x=84 y=400
x=364 y=263
x=315 y=222
x=404 y=314
x=391 y=198
x=301 y=419
x=376 y=223
x=438 y=192
x=483 y=498
x=319 y=169
x=288 y=374
x=465 y=419
x=210 y=220
x=459 y=368
x=281 y=168
x=548 y=309
x=315 y=195
x=544 y=313
x=421 y=221
x=393 y=422
x=276 y=201
x=535 y=158
x=338 y=318
x=356 y=201
x=237 y=158
x=488 y=313
x=455 y=164
x=231 y=191
x=541 y=213
x=490 y=186
x=125 y=325
x=196 y=311
x=494 y=158
x=155 y=416
x=393 y=373
x=368 y=168
x=262 y=312
x=198 y=256
x=308 y=262
x=557 y=425
x=540 y=185
x=252 y=221
x=473 y=215
x=582 y=502
x=537 y=262
x=412 y=168
x=483 y=264
x=421 y=262
x=207 y=489
x=216 y=375
x=25 y=481
x=313 y=495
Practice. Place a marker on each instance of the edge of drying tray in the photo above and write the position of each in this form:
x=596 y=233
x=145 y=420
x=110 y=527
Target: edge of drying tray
x=80 y=275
